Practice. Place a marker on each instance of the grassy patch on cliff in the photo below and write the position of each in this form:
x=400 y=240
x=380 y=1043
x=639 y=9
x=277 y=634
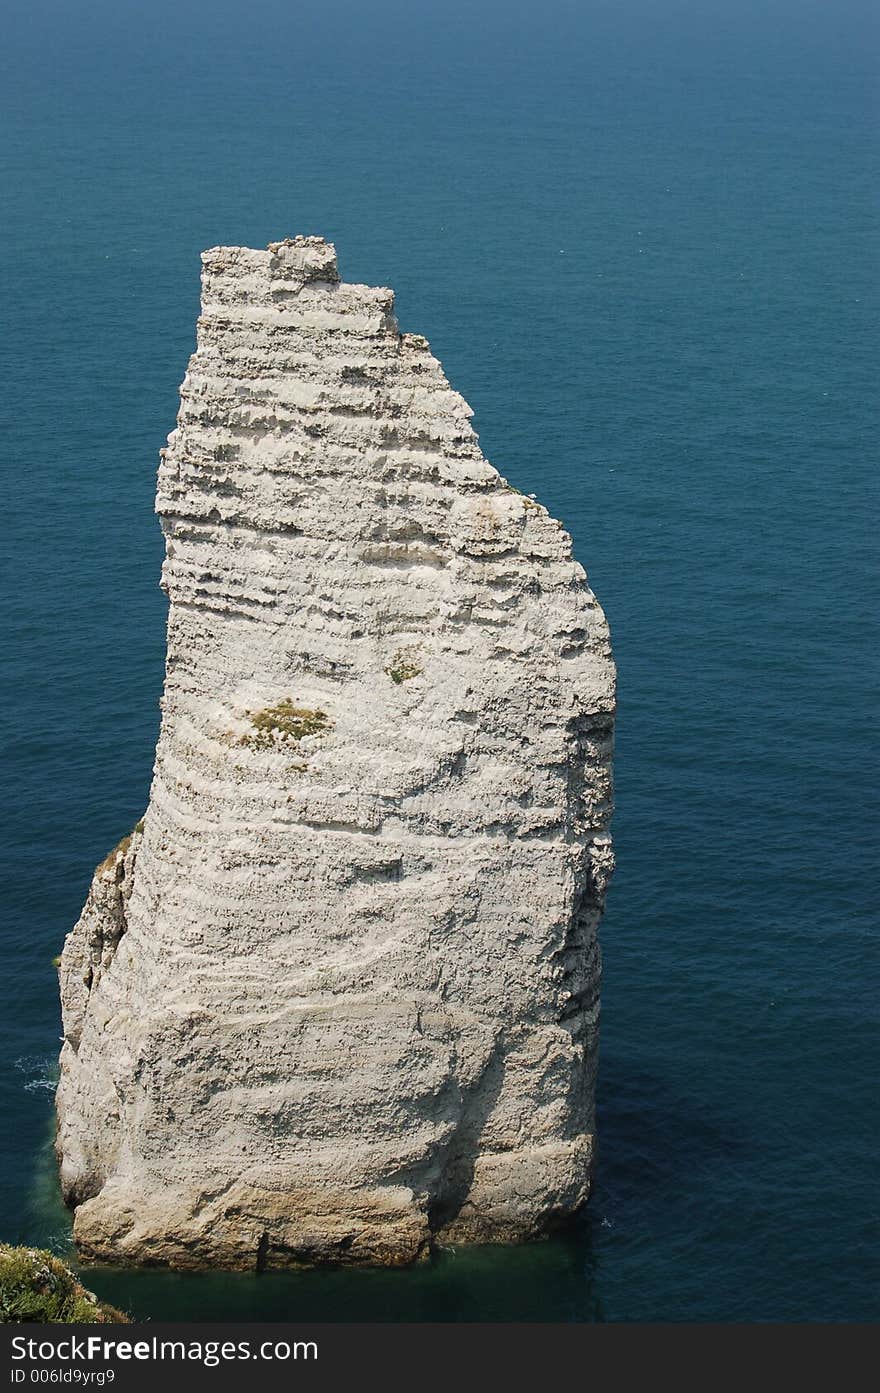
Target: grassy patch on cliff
x=402 y=669
x=283 y=722
x=118 y=852
x=121 y=848
x=36 y=1287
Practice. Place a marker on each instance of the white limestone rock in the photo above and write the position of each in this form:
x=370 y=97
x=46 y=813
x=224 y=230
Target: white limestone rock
x=337 y=996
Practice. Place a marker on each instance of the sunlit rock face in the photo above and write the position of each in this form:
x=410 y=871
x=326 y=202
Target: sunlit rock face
x=336 y=997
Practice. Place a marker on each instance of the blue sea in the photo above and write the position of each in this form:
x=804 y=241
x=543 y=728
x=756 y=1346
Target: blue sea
x=641 y=236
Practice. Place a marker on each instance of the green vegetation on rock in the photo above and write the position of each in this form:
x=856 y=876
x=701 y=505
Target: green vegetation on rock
x=121 y=848
x=286 y=721
x=36 y=1287
x=401 y=669
x=116 y=855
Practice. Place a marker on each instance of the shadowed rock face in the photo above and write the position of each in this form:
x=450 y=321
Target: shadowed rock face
x=337 y=996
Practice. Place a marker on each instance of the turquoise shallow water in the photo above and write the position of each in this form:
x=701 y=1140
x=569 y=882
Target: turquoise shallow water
x=642 y=241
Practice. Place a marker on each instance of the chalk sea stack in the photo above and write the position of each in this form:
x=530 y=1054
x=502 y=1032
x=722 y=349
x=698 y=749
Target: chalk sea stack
x=335 y=999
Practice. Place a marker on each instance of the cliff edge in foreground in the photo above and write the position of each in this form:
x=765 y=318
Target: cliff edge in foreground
x=337 y=995
x=36 y=1287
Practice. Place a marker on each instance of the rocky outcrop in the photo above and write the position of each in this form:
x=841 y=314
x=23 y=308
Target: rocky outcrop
x=337 y=996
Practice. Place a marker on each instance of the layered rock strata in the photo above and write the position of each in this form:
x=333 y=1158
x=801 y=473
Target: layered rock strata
x=336 y=997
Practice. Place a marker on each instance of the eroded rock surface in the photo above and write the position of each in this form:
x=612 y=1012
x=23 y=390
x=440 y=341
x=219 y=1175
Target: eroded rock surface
x=337 y=996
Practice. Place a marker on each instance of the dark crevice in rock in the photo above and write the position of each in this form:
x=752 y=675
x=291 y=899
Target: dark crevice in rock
x=262 y=1251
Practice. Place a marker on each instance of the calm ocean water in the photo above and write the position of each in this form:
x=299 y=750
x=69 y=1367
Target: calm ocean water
x=641 y=239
